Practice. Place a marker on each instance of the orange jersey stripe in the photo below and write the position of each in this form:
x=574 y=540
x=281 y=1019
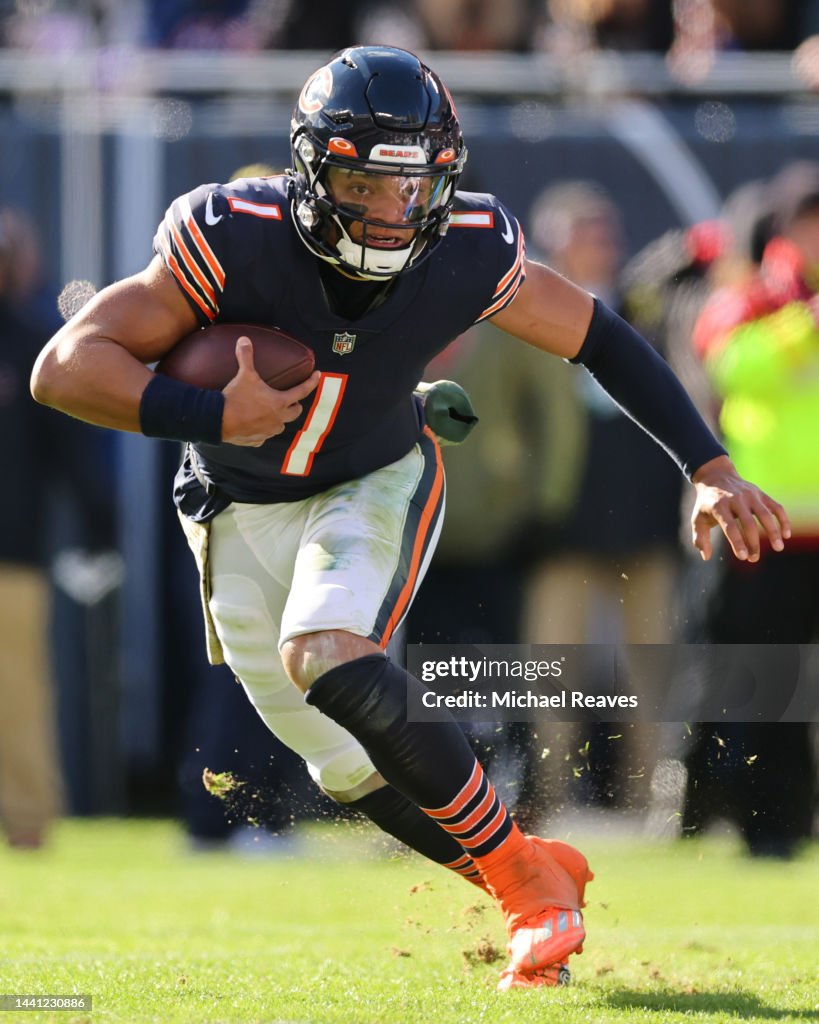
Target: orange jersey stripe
x=201 y=243
x=190 y=263
x=462 y=799
x=207 y=253
x=420 y=539
x=511 y=272
x=504 y=299
x=173 y=265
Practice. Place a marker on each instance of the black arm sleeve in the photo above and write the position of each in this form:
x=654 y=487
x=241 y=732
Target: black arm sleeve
x=644 y=386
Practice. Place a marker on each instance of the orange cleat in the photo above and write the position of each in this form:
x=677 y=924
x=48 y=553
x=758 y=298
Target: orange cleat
x=535 y=876
x=540 y=887
x=546 y=941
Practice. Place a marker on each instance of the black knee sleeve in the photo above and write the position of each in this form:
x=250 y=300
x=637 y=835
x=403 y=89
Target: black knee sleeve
x=429 y=762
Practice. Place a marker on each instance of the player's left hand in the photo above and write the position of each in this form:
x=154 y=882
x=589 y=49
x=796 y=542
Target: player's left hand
x=743 y=512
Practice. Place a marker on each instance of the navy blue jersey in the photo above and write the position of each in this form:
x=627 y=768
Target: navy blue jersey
x=235 y=253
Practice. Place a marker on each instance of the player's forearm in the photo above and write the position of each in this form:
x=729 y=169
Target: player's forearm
x=644 y=386
x=92 y=379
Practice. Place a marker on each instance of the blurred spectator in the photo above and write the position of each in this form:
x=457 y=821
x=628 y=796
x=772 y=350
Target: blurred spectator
x=574 y=25
x=758 y=25
x=667 y=283
x=327 y=25
x=77 y=539
x=57 y=30
x=284 y=24
x=62 y=513
x=24 y=281
x=605 y=570
x=43 y=451
x=214 y=24
x=705 y=27
x=759 y=343
x=66 y=26
x=477 y=24
x=30 y=788
x=393 y=20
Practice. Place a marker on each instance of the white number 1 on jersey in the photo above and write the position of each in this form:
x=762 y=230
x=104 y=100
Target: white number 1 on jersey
x=319 y=423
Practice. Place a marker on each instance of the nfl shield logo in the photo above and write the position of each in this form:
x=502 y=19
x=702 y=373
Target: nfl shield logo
x=343 y=344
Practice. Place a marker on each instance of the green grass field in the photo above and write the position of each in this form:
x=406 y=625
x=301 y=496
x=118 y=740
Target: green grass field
x=340 y=934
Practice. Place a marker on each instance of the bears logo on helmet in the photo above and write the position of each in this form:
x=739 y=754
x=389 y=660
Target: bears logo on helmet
x=320 y=85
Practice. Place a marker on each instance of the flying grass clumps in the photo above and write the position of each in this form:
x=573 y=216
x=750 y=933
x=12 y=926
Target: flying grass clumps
x=220 y=784
x=240 y=804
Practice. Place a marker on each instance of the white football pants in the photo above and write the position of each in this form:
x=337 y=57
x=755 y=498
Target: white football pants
x=350 y=558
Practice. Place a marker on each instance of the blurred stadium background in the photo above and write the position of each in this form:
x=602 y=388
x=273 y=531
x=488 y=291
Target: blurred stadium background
x=110 y=109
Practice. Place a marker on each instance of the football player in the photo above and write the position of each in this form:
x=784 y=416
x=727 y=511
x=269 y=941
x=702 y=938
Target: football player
x=314 y=511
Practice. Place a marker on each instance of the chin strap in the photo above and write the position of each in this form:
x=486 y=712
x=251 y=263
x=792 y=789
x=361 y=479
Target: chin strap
x=378 y=261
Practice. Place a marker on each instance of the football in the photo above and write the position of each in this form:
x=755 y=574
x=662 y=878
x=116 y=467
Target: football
x=207 y=358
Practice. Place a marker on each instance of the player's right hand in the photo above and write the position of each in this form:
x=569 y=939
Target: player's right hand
x=253 y=410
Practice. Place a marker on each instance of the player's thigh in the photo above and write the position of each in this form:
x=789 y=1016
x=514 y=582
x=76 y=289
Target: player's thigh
x=365 y=549
x=252 y=549
x=251 y=553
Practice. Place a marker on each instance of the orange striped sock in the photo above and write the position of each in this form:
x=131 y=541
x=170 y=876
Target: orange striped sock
x=476 y=817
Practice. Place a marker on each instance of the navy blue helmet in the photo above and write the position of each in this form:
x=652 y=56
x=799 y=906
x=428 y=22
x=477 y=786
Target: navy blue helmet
x=377 y=153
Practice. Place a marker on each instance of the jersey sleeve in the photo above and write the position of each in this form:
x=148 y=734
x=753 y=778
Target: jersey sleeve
x=192 y=243
x=505 y=260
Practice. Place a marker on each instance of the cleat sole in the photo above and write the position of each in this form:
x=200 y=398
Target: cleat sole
x=555 y=976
